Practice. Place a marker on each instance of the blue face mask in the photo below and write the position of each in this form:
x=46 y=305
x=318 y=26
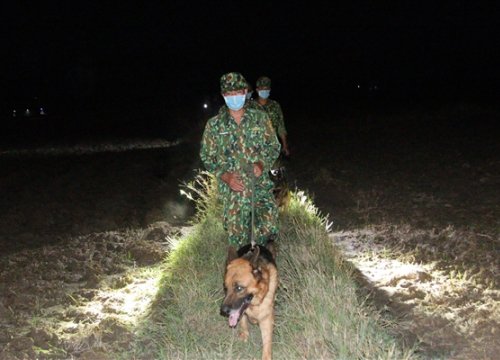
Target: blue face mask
x=249 y=95
x=264 y=93
x=235 y=102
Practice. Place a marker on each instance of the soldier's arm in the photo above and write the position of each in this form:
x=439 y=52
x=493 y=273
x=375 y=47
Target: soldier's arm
x=281 y=129
x=285 y=148
x=271 y=148
x=209 y=152
x=280 y=122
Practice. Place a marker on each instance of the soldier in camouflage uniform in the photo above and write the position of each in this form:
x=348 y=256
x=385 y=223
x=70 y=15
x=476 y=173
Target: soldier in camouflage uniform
x=273 y=108
x=251 y=102
x=238 y=144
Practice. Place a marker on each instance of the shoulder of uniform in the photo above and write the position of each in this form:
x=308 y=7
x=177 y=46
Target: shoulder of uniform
x=214 y=120
x=259 y=114
x=252 y=104
x=257 y=111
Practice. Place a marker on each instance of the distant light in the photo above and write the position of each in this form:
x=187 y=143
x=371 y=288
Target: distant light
x=205 y=106
x=14 y=113
x=27 y=112
x=42 y=112
x=359 y=86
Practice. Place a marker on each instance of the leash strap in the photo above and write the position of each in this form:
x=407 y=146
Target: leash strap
x=252 y=177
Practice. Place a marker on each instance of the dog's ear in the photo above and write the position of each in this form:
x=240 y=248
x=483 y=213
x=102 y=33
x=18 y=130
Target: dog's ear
x=255 y=256
x=272 y=249
x=231 y=254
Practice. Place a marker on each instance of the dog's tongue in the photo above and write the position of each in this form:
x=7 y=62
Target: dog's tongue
x=234 y=316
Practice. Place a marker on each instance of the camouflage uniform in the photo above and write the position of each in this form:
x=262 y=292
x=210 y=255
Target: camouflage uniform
x=273 y=108
x=229 y=147
x=251 y=103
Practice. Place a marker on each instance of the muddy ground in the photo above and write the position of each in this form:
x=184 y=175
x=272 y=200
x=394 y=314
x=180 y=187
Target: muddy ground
x=415 y=208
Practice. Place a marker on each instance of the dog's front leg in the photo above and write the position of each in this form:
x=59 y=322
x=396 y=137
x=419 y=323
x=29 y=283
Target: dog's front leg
x=244 y=328
x=266 y=329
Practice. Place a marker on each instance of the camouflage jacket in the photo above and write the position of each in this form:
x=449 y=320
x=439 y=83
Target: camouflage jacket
x=273 y=108
x=227 y=146
x=251 y=103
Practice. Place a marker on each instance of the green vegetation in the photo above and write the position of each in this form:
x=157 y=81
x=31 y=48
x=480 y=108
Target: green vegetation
x=319 y=314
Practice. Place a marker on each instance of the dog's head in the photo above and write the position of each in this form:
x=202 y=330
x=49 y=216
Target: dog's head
x=281 y=191
x=243 y=285
x=278 y=175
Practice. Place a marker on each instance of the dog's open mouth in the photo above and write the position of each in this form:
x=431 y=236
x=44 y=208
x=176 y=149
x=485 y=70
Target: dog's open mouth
x=235 y=314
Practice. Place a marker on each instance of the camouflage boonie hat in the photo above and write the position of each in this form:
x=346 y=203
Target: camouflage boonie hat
x=232 y=81
x=263 y=81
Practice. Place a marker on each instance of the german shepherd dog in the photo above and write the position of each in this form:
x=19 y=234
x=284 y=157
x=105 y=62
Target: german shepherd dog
x=250 y=284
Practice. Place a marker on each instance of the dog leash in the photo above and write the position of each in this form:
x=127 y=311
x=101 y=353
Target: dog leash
x=253 y=178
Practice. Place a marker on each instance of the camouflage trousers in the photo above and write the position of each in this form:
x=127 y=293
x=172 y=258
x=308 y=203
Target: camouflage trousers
x=238 y=216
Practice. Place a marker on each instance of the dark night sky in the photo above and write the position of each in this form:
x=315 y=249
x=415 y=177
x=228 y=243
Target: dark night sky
x=110 y=55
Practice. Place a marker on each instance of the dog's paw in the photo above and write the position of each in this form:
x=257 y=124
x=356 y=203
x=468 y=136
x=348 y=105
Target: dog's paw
x=244 y=336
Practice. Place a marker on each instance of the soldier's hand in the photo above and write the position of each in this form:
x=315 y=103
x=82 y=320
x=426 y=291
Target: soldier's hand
x=233 y=180
x=258 y=168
